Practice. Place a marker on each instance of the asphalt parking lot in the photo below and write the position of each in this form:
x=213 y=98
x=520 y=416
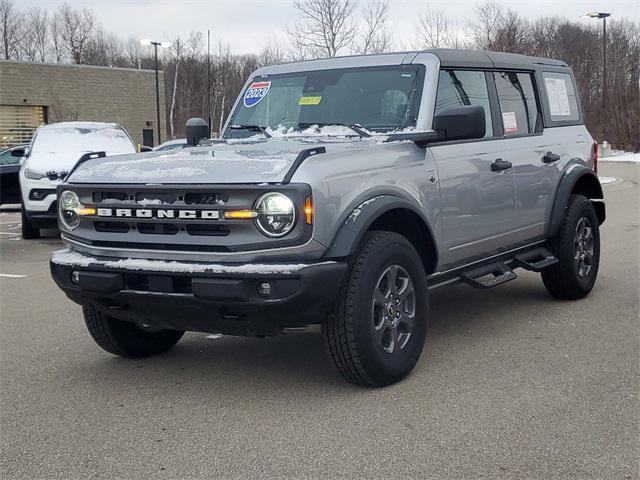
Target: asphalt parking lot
x=512 y=384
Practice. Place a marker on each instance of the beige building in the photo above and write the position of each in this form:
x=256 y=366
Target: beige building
x=32 y=94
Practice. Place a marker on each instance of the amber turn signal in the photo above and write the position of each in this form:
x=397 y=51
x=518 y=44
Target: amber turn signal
x=308 y=210
x=240 y=214
x=83 y=212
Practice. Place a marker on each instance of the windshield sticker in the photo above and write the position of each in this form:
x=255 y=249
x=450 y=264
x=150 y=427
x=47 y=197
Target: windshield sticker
x=310 y=101
x=558 y=97
x=256 y=92
x=509 y=122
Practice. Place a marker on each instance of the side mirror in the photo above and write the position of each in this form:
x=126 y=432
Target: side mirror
x=196 y=129
x=18 y=152
x=144 y=148
x=460 y=123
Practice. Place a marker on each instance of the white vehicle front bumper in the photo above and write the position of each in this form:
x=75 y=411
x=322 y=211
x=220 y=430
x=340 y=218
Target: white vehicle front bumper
x=39 y=198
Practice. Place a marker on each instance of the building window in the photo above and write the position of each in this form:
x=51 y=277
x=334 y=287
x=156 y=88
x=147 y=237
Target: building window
x=18 y=123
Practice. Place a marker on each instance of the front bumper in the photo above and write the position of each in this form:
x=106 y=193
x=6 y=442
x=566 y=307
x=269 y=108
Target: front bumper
x=216 y=298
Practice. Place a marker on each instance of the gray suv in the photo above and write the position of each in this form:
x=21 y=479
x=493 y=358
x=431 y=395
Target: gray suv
x=340 y=194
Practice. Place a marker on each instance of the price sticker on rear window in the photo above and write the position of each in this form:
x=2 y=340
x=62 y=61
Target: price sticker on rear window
x=509 y=121
x=310 y=101
x=255 y=93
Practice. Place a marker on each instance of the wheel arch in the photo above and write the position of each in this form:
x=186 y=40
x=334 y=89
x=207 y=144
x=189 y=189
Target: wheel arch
x=388 y=213
x=581 y=180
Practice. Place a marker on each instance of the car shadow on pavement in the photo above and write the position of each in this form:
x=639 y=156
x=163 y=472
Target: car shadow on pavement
x=298 y=361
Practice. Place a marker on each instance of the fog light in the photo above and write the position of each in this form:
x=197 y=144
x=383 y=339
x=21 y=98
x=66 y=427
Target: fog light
x=75 y=277
x=264 y=289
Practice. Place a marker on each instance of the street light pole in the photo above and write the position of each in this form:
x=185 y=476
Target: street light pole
x=603 y=16
x=155 y=47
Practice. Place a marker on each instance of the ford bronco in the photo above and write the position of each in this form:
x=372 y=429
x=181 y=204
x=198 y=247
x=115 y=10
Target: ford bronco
x=341 y=192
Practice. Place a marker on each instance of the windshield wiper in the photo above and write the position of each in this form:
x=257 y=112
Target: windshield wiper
x=251 y=128
x=356 y=127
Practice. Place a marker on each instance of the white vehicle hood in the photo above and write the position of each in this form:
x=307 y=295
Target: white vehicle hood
x=252 y=161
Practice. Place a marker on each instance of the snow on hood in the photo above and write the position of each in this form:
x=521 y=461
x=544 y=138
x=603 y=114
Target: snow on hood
x=252 y=160
x=59 y=146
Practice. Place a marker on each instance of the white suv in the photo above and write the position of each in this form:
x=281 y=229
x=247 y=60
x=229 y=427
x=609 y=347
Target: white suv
x=53 y=153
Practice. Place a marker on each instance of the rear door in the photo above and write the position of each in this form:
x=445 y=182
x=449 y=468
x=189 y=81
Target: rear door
x=527 y=146
x=477 y=190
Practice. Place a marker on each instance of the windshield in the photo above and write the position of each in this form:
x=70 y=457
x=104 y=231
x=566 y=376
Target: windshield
x=378 y=99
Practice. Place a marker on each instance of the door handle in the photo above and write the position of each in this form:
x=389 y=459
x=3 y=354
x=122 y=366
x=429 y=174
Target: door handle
x=500 y=164
x=550 y=157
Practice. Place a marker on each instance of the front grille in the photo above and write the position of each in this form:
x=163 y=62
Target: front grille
x=173 y=218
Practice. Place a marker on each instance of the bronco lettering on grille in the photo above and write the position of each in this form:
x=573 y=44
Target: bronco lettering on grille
x=149 y=213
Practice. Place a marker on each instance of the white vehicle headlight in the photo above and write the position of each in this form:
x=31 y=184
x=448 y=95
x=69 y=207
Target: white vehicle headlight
x=33 y=175
x=68 y=206
x=276 y=214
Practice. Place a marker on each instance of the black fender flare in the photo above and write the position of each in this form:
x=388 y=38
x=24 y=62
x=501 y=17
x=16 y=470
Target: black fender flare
x=589 y=180
x=356 y=224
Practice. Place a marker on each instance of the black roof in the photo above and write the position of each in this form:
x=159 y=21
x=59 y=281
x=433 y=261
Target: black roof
x=481 y=59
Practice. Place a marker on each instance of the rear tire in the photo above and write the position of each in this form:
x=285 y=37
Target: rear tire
x=577 y=247
x=126 y=339
x=376 y=329
x=29 y=230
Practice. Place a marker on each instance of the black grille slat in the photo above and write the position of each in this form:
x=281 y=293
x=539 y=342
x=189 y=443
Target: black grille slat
x=157 y=228
x=161 y=246
x=207 y=230
x=112 y=227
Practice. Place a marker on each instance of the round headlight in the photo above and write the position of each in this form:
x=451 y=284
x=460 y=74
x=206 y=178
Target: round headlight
x=68 y=203
x=276 y=214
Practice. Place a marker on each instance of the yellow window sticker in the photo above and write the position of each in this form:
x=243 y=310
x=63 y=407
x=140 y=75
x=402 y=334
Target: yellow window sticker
x=310 y=101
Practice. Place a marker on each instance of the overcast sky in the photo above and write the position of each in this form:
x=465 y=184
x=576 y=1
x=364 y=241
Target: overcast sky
x=245 y=25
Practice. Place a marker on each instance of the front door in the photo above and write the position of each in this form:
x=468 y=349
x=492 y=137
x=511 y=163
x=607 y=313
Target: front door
x=147 y=137
x=477 y=185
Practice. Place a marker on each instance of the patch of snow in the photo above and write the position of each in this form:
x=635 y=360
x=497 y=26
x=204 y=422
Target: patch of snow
x=72 y=258
x=621 y=156
x=213 y=336
x=607 y=180
x=358 y=210
x=149 y=201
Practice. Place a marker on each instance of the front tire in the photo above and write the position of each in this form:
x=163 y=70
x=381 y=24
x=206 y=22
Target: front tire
x=126 y=339
x=376 y=329
x=29 y=230
x=577 y=247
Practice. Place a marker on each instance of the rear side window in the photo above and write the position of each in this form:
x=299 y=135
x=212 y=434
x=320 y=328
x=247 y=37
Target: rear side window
x=561 y=96
x=457 y=88
x=518 y=106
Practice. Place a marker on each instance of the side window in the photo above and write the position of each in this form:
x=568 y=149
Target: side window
x=561 y=96
x=457 y=88
x=518 y=106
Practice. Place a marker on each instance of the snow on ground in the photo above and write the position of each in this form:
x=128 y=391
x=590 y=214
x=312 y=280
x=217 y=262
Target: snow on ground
x=621 y=156
x=607 y=180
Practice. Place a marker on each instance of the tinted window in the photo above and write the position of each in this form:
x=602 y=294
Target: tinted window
x=7 y=159
x=457 y=88
x=561 y=96
x=378 y=98
x=518 y=107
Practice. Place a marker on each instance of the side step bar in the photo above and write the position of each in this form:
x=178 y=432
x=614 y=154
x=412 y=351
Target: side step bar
x=489 y=276
x=535 y=260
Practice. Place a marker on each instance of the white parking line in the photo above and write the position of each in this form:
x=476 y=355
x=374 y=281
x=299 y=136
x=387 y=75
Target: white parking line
x=10 y=223
x=10 y=275
x=8 y=233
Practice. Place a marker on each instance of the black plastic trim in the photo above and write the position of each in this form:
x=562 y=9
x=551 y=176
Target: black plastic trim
x=302 y=156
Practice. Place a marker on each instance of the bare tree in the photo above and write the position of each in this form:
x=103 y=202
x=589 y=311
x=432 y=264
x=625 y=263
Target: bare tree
x=272 y=53
x=325 y=28
x=77 y=29
x=484 y=28
x=35 y=35
x=376 y=37
x=55 y=27
x=434 y=30
x=10 y=20
x=176 y=51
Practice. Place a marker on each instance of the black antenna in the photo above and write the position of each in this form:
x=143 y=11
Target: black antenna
x=209 y=80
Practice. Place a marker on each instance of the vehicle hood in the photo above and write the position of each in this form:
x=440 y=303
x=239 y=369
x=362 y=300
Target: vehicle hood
x=260 y=161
